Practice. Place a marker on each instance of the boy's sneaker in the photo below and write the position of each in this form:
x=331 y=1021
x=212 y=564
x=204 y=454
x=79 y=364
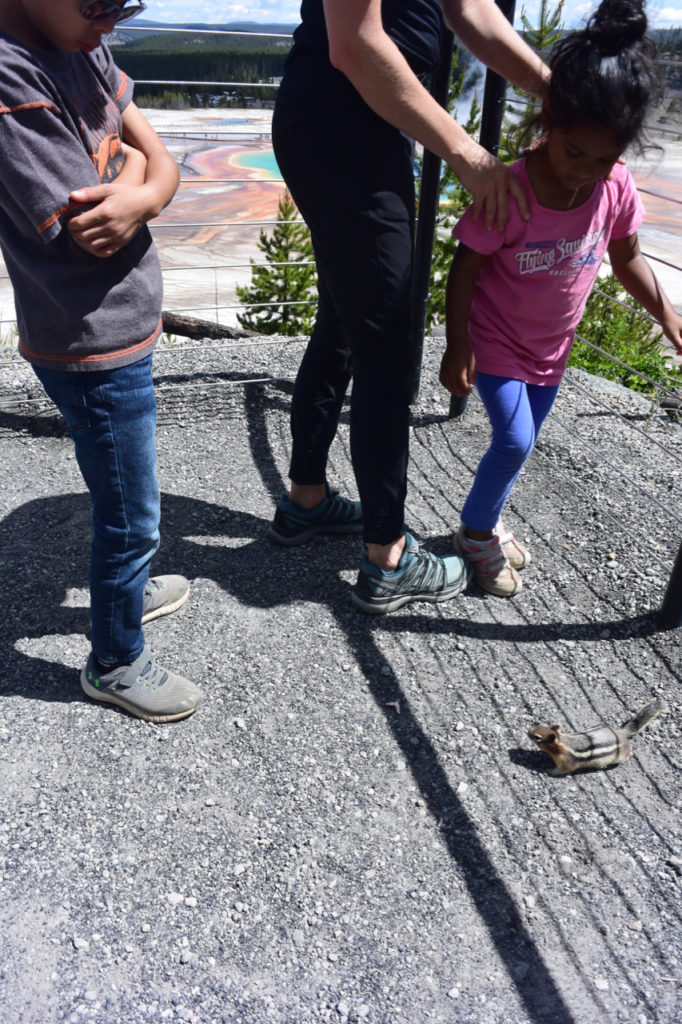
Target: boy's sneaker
x=517 y=553
x=492 y=570
x=145 y=689
x=420 y=576
x=295 y=525
x=163 y=595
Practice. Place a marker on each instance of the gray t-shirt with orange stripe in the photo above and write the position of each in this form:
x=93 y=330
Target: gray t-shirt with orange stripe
x=60 y=129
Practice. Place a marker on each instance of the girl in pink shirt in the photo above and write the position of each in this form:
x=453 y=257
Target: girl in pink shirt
x=515 y=297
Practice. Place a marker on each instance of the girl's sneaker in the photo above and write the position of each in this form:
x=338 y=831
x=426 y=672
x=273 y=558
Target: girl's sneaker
x=492 y=570
x=517 y=553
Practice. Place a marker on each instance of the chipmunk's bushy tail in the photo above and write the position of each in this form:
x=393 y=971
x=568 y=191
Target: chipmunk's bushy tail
x=643 y=717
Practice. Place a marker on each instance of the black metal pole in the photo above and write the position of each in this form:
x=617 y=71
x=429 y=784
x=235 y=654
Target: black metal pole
x=494 y=95
x=491 y=128
x=429 y=195
x=670 y=615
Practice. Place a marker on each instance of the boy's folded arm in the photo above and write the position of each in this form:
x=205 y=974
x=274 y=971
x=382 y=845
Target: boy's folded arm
x=135 y=167
x=637 y=277
x=162 y=173
x=458 y=366
x=116 y=211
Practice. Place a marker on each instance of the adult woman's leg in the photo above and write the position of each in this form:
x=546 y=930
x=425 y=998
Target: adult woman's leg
x=351 y=177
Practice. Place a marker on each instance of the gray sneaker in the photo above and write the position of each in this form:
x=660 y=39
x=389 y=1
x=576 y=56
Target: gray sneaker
x=163 y=595
x=145 y=689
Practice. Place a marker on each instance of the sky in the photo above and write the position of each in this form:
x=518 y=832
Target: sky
x=662 y=13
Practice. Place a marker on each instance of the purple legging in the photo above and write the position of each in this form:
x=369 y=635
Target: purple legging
x=516 y=411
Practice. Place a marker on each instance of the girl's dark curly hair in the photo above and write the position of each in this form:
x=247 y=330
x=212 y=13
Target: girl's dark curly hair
x=605 y=74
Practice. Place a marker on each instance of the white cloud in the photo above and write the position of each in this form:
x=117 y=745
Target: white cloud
x=281 y=11
x=665 y=17
x=575 y=14
x=287 y=11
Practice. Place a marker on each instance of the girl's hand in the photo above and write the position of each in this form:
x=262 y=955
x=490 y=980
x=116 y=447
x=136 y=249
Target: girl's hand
x=458 y=369
x=114 y=214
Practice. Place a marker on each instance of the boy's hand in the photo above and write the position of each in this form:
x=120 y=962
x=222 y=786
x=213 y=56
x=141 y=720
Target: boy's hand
x=114 y=214
x=458 y=369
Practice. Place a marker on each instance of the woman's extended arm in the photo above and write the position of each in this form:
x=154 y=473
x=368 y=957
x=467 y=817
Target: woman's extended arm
x=361 y=49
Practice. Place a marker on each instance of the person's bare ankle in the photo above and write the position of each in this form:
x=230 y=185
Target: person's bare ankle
x=307 y=495
x=387 y=556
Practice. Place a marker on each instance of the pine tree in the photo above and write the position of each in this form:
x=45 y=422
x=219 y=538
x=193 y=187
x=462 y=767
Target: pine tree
x=541 y=38
x=454 y=201
x=454 y=198
x=282 y=292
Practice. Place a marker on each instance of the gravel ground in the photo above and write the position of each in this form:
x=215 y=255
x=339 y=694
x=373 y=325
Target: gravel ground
x=353 y=827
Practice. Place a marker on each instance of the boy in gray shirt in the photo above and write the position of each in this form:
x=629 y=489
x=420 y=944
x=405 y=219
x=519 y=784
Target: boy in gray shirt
x=81 y=173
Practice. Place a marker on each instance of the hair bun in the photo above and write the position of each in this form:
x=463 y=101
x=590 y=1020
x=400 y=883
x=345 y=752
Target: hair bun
x=617 y=24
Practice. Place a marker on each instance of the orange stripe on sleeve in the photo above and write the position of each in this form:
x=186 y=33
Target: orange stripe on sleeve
x=55 y=216
x=124 y=82
x=30 y=106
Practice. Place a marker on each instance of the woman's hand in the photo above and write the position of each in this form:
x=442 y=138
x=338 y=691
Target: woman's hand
x=490 y=184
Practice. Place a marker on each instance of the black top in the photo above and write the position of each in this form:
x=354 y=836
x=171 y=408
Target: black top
x=415 y=26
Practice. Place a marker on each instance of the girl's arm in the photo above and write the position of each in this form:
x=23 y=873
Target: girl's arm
x=637 y=277
x=368 y=57
x=122 y=208
x=458 y=366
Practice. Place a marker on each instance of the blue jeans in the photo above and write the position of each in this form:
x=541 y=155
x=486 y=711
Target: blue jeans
x=111 y=415
x=516 y=411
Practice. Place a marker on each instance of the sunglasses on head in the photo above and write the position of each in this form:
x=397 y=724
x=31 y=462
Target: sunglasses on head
x=94 y=9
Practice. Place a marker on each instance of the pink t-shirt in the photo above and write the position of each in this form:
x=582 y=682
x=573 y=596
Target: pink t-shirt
x=532 y=289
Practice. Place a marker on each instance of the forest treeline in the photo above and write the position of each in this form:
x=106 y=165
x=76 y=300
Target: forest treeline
x=197 y=57
x=205 y=65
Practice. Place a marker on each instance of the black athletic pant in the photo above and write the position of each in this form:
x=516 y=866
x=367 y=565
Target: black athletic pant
x=351 y=176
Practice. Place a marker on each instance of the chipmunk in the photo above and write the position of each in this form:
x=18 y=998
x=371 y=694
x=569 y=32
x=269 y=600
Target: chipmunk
x=598 y=747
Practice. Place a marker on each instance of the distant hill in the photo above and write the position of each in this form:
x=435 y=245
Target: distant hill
x=143 y=28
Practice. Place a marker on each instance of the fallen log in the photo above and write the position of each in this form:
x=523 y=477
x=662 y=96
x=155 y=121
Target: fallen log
x=191 y=327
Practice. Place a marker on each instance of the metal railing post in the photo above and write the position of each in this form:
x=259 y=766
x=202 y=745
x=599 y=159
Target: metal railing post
x=494 y=95
x=670 y=615
x=491 y=128
x=429 y=195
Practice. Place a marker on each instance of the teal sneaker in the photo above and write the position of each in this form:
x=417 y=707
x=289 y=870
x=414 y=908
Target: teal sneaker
x=163 y=595
x=420 y=576
x=295 y=525
x=144 y=689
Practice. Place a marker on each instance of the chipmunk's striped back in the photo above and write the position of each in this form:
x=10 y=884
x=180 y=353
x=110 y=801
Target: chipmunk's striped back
x=598 y=747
